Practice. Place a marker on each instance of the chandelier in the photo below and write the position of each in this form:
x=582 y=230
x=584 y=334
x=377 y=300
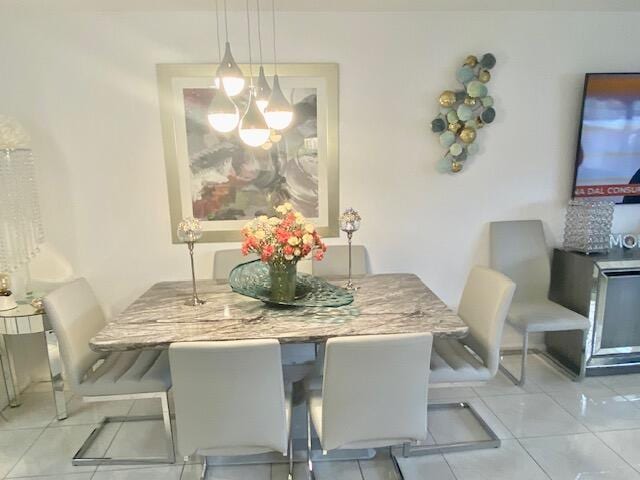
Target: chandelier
x=267 y=110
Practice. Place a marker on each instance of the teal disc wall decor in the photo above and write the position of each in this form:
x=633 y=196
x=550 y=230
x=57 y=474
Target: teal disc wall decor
x=463 y=111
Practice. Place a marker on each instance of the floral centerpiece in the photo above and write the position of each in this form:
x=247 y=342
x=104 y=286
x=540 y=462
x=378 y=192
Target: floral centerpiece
x=281 y=241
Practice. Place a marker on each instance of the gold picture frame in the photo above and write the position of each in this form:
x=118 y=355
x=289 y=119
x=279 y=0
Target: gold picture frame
x=189 y=152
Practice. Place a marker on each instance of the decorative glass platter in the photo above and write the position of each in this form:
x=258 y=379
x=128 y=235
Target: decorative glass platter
x=252 y=279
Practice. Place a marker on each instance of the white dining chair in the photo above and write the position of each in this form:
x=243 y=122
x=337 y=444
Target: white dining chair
x=374 y=393
x=336 y=262
x=226 y=260
x=76 y=316
x=473 y=359
x=519 y=250
x=230 y=399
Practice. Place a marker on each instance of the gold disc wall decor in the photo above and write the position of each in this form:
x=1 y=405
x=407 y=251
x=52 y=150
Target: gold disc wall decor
x=464 y=111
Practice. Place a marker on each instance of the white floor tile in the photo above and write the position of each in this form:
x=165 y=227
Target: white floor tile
x=65 y=476
x=36 y=410
x=240 y=472
x=622 y=381
x=13 y=444
x=601 y=413
x=533 y=415
x=41 y=387
x=582 y=456
x=431 y=467
x=501 y=385
x=280 y=471
x=89 y=413
x=550 y=379
x=53 y=450
x=139 y=439
x=630 y=392
x=347 y=470
x=446 y=393
x=508 y=462
x=453 y=425
x=149 y=473
x=625 y=443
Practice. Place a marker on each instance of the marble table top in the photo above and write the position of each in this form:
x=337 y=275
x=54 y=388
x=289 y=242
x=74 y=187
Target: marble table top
x=384 y=304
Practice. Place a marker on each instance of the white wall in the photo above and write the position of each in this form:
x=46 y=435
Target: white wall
x=85 y=86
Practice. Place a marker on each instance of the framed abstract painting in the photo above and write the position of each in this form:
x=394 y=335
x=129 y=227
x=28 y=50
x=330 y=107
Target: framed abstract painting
x=219 y=180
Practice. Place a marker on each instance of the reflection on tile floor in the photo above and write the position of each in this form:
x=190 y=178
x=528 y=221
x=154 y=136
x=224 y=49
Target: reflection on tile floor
x=552 y=428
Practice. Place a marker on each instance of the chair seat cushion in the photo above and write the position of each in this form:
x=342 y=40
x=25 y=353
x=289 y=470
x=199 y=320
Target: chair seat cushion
x=451 y=362
x=545 y=316
x=123 y=373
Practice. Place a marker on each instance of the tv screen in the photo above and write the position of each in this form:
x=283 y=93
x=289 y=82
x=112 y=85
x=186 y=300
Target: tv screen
x=608 y=157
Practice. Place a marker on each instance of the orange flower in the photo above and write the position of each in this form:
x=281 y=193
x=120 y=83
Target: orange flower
x=267 y=253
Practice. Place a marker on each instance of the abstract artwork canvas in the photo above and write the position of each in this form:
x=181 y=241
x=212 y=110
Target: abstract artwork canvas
x=219 y=180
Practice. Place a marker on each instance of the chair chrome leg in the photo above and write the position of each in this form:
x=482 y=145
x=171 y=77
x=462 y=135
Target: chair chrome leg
x=309 y=462
x=168 y=432
x=80 y=460
x=420 y=450
x=396 y=466
x=290 y=450
x=523 y=364
x=55 y=371
x=205 y=467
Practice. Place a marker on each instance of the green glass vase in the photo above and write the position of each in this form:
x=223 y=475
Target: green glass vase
x=283 y=281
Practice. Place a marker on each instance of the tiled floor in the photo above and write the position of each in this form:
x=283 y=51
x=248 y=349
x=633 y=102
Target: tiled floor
x=551 y=429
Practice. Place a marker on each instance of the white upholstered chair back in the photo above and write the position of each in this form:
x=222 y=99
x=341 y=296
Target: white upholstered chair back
x=229 y=397
x=375 y=390
x=484 y=306
x=336 y=262
x=226 y=260
x=76 y=317
x=519 y=250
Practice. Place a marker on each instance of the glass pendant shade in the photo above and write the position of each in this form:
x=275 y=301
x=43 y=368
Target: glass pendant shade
x=223 y=114
x=253 y=129
x=263 y=91
x=278 y=112
x=230 y=73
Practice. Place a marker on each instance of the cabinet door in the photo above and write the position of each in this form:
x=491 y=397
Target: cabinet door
x=618 y=313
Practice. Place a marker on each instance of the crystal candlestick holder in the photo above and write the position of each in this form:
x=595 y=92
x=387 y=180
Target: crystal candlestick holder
x=189 y=232
x=350 y=223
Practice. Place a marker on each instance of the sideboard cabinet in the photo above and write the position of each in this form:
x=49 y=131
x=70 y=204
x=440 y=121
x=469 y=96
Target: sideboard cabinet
x=605 y=288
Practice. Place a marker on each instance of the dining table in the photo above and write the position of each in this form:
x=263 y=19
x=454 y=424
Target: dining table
x=391 y=303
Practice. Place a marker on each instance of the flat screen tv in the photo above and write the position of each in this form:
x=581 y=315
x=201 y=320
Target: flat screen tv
x=608 y=156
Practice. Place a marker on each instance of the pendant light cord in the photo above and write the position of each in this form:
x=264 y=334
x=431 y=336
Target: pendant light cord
x=275 y=59
x=249 y=35
x=226 y=23
x=218 y=31
x=259 y=30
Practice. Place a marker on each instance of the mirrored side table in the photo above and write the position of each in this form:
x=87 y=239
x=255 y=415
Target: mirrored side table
x=25 y=320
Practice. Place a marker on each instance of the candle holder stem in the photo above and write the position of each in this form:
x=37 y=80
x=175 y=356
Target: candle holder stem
x=350 y=285
x=194 y=301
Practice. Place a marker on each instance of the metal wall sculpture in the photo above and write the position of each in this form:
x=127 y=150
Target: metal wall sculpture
x=464 y=111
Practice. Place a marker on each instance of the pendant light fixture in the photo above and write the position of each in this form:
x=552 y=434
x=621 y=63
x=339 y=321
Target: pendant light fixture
x=263 y=91
x=228 y=72
x=278 y=112
x=253 y=128
x=223 y=114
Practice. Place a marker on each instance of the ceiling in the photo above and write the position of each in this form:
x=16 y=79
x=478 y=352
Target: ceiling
x=322 y=5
